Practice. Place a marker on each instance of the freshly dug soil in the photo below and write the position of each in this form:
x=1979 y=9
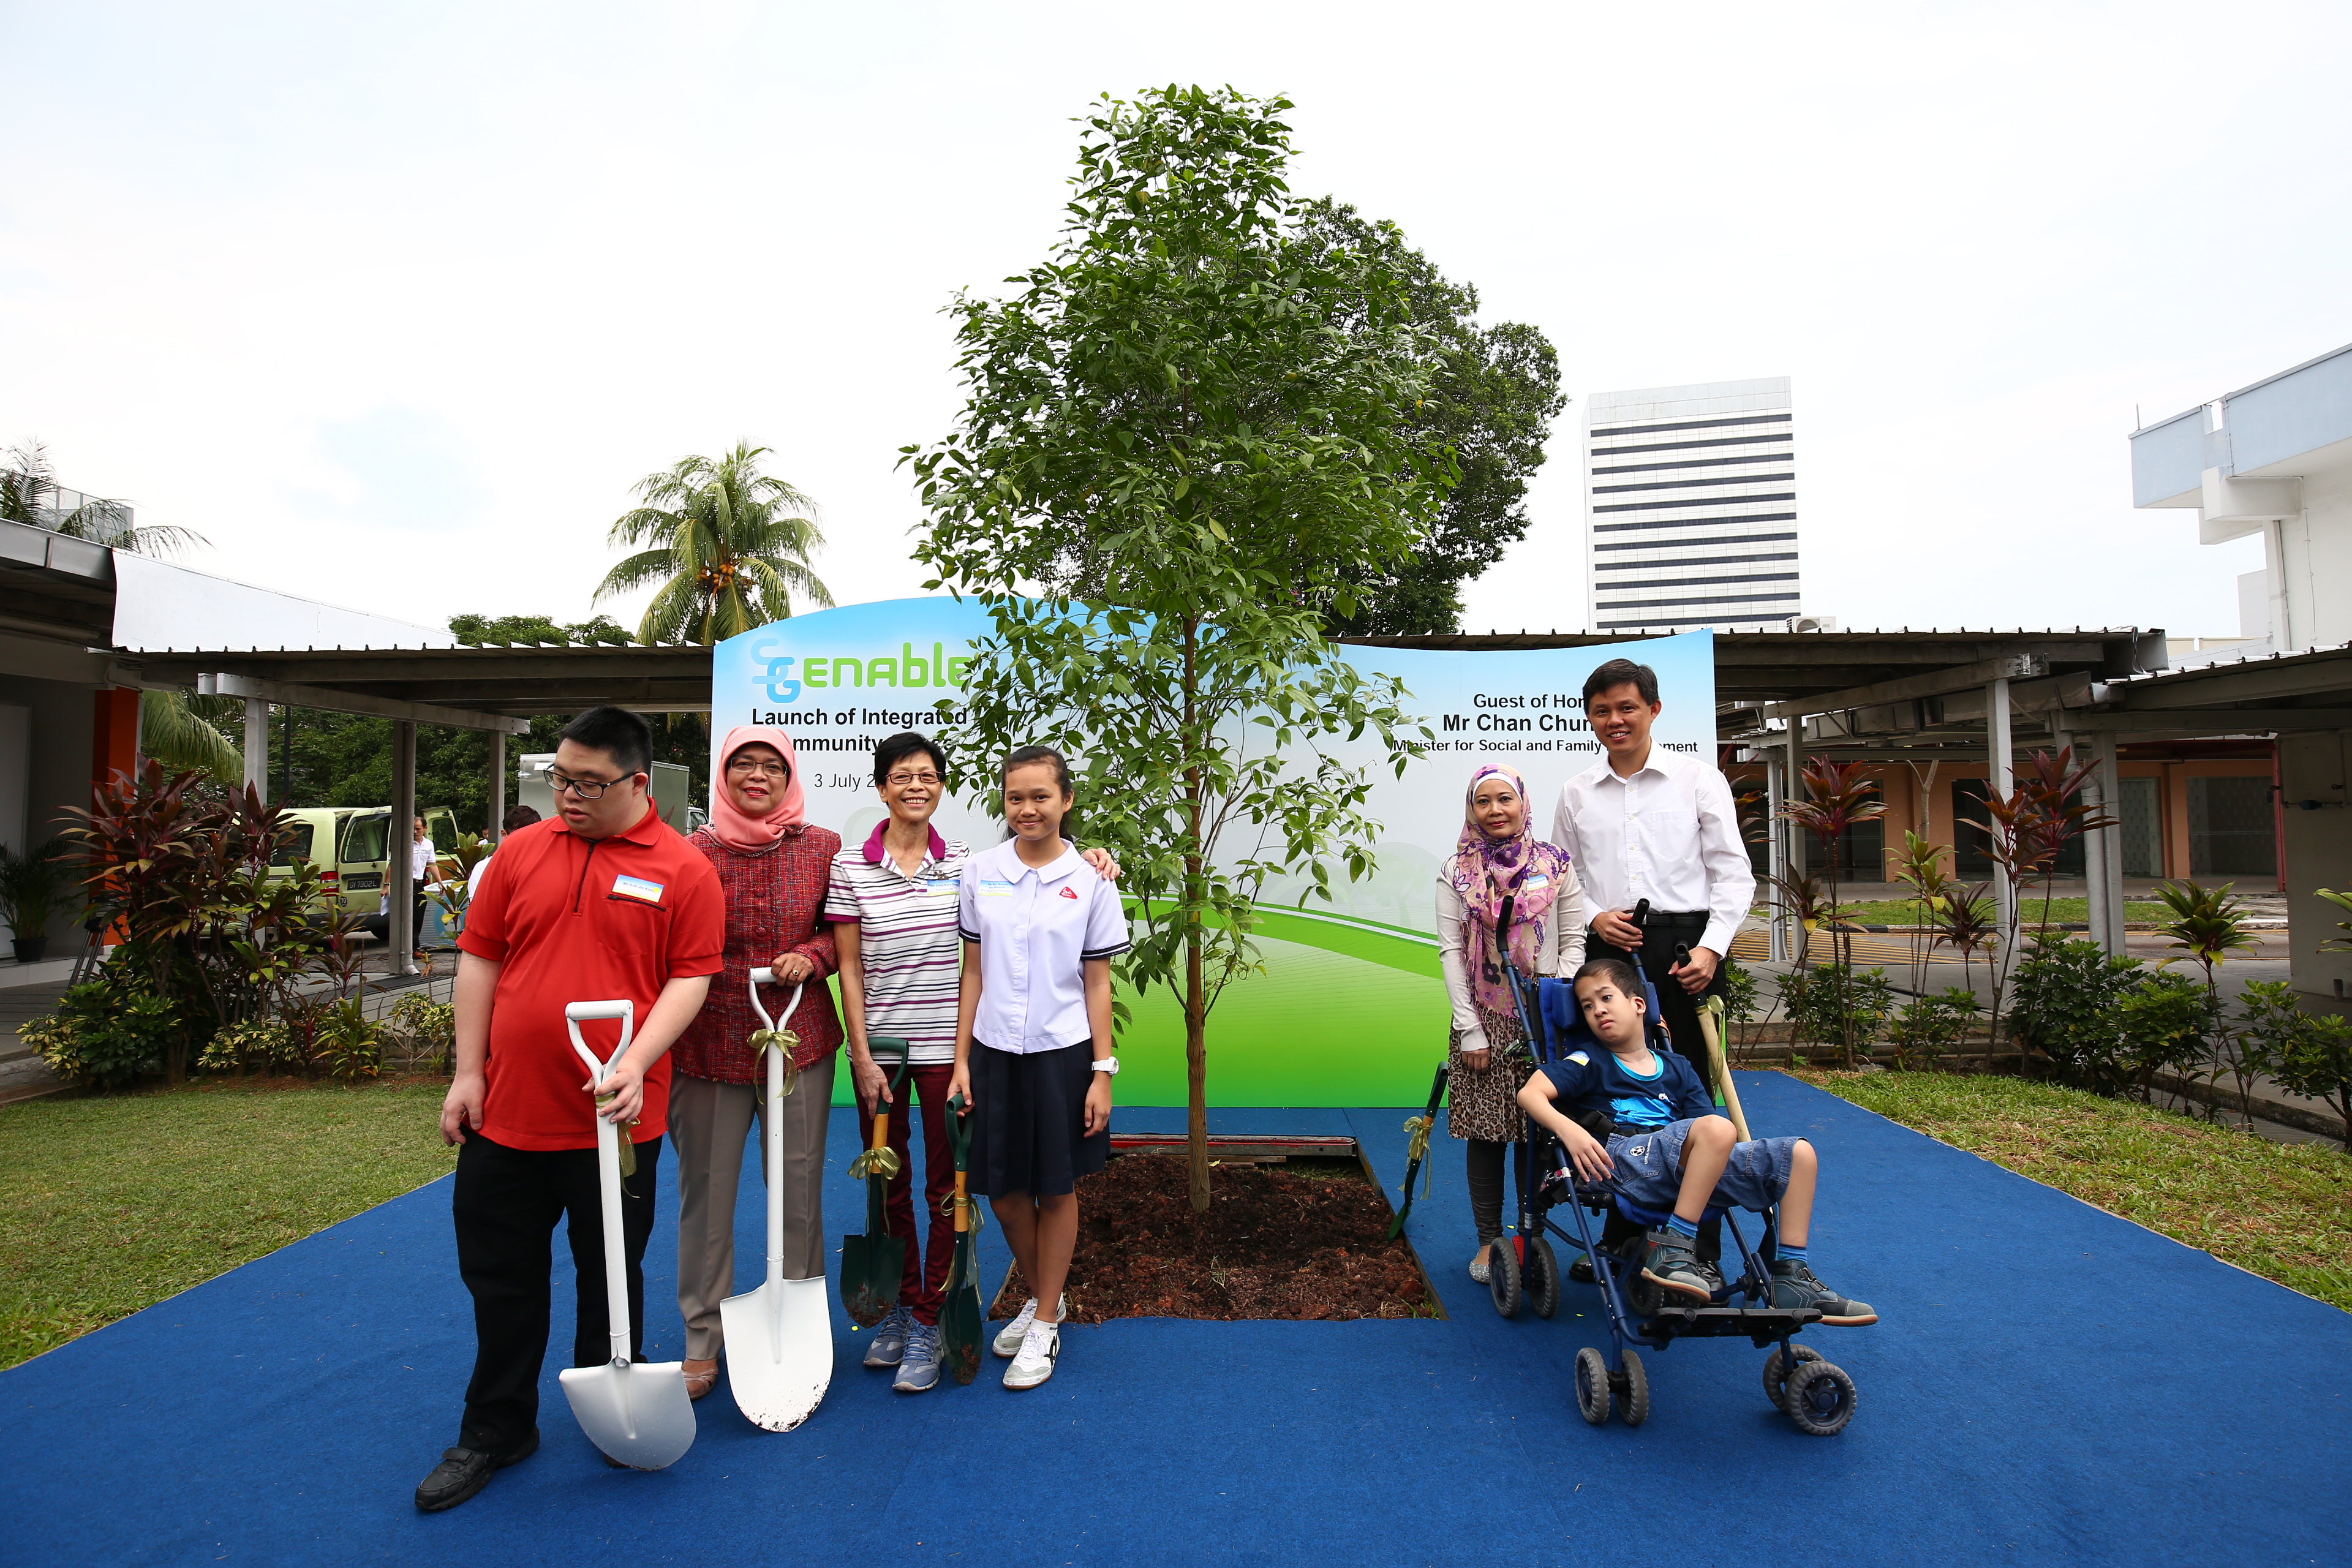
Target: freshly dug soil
x=1275 y=1244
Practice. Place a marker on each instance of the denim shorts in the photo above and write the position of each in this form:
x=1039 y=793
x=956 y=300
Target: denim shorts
x=1649 y=1169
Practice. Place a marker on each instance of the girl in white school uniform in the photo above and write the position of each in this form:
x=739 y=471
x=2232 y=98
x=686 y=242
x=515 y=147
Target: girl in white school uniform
x=1034 y=1056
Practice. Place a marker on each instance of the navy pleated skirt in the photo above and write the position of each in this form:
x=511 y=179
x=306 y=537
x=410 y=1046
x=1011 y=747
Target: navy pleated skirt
x=1029 y=1121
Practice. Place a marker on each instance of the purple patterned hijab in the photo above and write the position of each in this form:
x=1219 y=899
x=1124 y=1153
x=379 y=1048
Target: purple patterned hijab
x=1485 y=870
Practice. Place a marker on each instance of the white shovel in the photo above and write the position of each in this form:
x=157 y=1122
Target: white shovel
x=637 y=1412
x=779 y=1336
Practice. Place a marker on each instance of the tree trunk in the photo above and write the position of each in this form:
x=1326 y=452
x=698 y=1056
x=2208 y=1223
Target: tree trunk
x=1196 y=999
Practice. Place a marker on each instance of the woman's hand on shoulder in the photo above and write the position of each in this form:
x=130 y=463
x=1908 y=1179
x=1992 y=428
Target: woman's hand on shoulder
x=1101 y=859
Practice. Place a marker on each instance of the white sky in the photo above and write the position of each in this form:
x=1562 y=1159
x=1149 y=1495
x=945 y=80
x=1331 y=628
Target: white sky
x=394 y=303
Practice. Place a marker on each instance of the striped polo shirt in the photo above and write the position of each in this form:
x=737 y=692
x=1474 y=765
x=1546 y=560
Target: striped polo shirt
x=907 y=940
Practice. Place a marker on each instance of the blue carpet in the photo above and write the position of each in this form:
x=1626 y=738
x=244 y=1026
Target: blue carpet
x=2051 y=1384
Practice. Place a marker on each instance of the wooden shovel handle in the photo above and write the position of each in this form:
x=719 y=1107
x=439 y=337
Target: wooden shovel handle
x=963 y=1206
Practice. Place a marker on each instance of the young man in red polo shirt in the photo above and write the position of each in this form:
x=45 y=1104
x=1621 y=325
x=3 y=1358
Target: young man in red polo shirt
x=601 y=902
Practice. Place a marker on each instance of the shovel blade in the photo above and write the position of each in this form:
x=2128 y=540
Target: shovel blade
x=872 y=1267
x=637 y=1413
x=959 y=1317
x=779 y=1351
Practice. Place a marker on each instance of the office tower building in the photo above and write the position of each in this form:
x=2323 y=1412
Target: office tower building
x=1691 y=506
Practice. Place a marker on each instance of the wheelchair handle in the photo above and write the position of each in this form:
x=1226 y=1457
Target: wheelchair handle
x=1641 y=912
x=1502 y=929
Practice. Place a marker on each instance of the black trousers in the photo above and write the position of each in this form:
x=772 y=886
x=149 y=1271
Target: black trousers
x=1679 y=1010
x=505 y=1206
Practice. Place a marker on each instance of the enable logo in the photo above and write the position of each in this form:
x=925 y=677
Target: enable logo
x=782 y=686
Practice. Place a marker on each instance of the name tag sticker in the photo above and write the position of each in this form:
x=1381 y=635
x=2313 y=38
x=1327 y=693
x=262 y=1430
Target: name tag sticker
x=942 y=886
x=636 y=888
x=990 y=887
x=1538 y=880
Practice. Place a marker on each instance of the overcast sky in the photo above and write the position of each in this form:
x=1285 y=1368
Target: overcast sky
x=394 y=304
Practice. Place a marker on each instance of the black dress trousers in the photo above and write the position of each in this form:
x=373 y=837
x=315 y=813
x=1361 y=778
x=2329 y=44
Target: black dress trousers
x=506 y=1205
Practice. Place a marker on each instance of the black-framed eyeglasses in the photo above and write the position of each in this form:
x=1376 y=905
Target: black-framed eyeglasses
x=747 y=766
x=586 y=789
x=901 y=781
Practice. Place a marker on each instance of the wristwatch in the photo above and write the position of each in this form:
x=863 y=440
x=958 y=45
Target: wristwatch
x=1108 y=1064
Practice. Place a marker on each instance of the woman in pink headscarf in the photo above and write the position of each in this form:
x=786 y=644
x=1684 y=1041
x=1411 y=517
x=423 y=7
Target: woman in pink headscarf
x=772 y=866
x=1498 y=857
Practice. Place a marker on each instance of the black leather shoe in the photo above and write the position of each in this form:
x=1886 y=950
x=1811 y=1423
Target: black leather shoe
x=462 y=1473
x=1581 y=1271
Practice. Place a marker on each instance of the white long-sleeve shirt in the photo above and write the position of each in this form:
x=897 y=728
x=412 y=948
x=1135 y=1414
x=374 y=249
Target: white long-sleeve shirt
x=1669 y=833
x=1562 y=949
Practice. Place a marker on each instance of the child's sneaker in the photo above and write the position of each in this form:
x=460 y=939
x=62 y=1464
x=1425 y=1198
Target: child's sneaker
x=1794 y=1286
x=1039 y=1349
x=1671 y=1261
x=1008 y=1339
x=890 y=1337
x=919 y=1368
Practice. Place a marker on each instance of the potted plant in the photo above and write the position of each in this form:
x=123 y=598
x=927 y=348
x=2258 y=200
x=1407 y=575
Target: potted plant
x=32 y=886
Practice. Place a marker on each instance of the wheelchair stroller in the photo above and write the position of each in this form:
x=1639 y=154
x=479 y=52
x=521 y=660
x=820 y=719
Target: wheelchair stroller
x=1609 y=1230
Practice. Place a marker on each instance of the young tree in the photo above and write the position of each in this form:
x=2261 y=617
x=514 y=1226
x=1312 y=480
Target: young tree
x=1193 y=430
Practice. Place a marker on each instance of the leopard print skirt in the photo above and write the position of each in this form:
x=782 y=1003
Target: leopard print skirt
x=1486 y=1105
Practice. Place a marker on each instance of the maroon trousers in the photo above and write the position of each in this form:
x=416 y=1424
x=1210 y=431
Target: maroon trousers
x=924 y=1283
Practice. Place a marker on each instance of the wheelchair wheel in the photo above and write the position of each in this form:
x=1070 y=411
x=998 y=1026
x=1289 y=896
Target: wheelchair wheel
x=1633 y=1391
x=1542 y=1278
x=1776 y=1373
x=1502 y=1274
x=1820 y=1399
x=1592 y=1386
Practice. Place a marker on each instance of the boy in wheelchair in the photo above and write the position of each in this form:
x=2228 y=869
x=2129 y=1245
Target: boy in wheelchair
x=1642 y=1123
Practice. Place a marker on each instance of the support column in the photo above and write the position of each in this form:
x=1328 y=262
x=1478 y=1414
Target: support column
x=398 y=875
x=1776 y=856
x=1792 y=842
x=2002 y=778
x=2098 y=846
x=496 y=828
x=257 y=745
x=2111 y=871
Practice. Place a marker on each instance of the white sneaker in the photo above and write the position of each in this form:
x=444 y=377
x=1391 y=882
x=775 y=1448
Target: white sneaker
x=1039 y=1348
x=1008 y=1338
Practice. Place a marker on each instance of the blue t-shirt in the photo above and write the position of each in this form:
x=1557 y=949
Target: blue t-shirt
x=1594 y=1078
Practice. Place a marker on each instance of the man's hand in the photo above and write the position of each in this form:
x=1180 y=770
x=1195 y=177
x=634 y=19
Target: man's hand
x=1105 y=867
x=461 y=1108
x=1098 y=1104
x=626 y=1084
x=871 y=1083
x=1587 y=1153
x=1617 y=930
x=793 y=968
x=1697 y=972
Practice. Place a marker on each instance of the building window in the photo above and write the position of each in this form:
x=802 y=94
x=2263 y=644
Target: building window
x=2142 y=832
x=2231 y=828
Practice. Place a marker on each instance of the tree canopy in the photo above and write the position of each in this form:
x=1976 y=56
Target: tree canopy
x=1195 y=427
x=730 y=546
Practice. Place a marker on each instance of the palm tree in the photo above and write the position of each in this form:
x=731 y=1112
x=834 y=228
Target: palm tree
x=729 y=545
x=175 y=727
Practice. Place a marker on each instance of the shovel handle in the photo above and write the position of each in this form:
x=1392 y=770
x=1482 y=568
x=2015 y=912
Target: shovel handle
x=577 y=1012
x=764 y=976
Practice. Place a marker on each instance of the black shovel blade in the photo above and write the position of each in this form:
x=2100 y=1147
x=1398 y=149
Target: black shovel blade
x=959 y=1318
x=1396 y=1225
x=872 y=1267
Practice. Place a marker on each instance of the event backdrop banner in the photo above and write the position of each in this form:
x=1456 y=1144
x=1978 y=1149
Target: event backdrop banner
x=1350 y=1010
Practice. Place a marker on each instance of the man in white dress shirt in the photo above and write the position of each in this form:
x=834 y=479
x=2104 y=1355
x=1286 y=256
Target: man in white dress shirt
x=1661 y=825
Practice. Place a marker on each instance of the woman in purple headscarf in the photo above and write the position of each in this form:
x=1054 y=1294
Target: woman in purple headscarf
x=1497 y=857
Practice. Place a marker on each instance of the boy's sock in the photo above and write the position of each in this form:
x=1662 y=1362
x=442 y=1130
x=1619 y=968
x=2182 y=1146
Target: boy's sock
x=1688 y=1229
x=1793 y=1254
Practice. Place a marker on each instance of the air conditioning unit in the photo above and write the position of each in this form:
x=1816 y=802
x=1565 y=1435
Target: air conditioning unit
x=1812 y=622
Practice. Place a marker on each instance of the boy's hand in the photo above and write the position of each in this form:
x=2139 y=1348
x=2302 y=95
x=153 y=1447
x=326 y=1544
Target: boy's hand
x=1588 y=1154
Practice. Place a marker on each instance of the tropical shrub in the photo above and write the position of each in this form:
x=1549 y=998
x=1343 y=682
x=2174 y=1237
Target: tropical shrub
x=105 y=1034
x=1830 y=1004
x=1929 y=1027
x=2063 y=1006
x=2165 y=1024
x=428 y=1028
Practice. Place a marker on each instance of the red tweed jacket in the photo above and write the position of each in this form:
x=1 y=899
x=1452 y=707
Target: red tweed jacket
x=775 y=903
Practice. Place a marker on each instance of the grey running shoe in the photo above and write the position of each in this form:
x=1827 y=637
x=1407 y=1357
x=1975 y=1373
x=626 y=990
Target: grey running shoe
x=1008 y=1339
x=891 y=1338
x=1795 y=1286
x=919 y=1368
x=1671 y=1262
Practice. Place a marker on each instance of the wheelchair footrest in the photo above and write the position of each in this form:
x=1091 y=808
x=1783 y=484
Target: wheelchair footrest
x=1762 y=1324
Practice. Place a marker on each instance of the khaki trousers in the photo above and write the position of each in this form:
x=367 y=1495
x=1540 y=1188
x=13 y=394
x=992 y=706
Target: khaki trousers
x=709 y=1124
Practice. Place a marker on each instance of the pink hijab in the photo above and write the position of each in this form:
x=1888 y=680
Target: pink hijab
x=729 y=823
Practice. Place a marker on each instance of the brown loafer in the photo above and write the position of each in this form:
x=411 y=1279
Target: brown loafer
x=701 y=1376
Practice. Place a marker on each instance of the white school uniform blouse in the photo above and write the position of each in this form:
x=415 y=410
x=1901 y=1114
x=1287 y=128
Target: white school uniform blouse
x=1037 y=930
x=1670 y=834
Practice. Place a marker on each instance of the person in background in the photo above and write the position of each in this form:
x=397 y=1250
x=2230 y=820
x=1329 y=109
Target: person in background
x=1034 y=1059
x=892 y=903
x=1498 y=857
x=520 y=816
x=422 y=871
x=604 y=902
x=772 y=866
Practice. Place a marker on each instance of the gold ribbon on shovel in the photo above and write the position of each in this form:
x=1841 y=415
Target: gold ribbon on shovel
x=786 y=1041
x=1417 y=1148
x=629 y=1144
x=882 y=1161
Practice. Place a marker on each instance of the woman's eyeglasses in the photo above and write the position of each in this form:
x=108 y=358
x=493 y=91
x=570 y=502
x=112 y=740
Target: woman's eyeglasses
x=744 y=767
x=900 y=781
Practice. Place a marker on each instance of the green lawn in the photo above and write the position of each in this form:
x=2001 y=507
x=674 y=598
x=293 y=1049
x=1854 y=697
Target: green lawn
x=2283 y=1211
x=2062 y=912
x=121 y=1201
